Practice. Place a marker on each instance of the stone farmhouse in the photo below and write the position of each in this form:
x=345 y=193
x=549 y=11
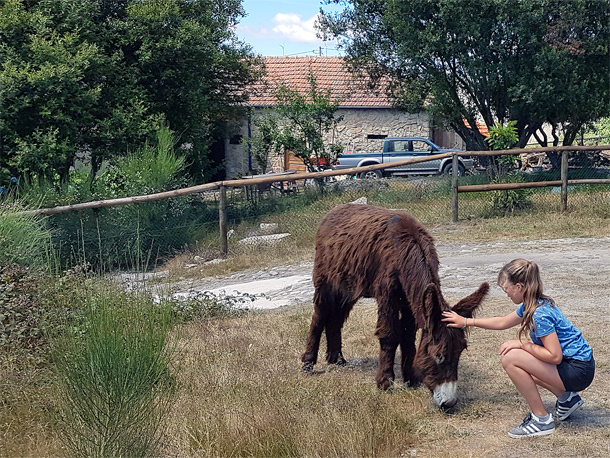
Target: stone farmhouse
x=368 y=117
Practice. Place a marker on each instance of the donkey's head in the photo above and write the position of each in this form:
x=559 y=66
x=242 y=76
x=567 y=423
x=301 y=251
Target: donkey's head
x=440 y=347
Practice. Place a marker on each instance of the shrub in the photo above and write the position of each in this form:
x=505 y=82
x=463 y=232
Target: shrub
x=511 y=200
x=116 y=379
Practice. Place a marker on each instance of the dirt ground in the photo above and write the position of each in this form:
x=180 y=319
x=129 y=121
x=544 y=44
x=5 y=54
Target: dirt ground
x=576 y=274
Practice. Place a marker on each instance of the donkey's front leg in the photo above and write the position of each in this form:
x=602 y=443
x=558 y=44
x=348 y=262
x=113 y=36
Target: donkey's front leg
x=407 y=349
x=385 y=372
x=387 y=324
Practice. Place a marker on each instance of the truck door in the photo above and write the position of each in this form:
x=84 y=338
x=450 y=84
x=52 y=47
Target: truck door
x=398 y=150
x=422 y=149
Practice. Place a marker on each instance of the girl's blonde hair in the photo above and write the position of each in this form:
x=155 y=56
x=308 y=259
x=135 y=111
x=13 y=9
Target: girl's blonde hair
x=527 y=274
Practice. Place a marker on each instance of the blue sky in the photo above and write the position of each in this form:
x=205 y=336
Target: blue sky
x=283 y=27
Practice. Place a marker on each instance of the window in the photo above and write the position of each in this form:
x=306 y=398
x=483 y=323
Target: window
x=419 y=145
x=375 y=136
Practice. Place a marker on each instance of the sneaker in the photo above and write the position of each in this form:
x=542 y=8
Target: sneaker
x=533 y=427
x=566 y=408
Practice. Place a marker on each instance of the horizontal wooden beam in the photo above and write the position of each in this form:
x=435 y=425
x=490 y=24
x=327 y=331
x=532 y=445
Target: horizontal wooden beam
x=304 y=176
x=533 y=184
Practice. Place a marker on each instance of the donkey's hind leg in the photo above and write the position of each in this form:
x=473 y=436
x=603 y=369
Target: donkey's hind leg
x=334 y=325
x=318 y=322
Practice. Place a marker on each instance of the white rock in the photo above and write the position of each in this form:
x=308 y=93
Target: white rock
x=262 y=239
x=268 y=228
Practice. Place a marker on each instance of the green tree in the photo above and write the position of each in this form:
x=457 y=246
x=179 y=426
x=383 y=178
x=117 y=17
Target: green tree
x=532 y=61
x=306 y=118
x=509 y=200
x=102 y=76
x=298 y=124
x=265 y=143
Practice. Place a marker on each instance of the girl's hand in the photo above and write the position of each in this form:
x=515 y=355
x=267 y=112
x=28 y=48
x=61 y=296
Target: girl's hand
x=510 y=345
x=453 y=320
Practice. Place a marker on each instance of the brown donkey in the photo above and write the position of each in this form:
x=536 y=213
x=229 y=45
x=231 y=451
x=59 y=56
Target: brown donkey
x=366 y=251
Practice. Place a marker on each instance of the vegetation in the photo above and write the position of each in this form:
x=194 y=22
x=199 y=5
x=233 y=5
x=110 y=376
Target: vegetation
x=24 y=238
x=534 y=61
x=298 y=126
x=117 y=379
x=508 y=200
x=238 y=390
x=86 y=367
x=100 y=77
x=128 y=232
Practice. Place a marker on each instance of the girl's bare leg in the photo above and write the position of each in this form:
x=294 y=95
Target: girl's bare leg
x=526 y=372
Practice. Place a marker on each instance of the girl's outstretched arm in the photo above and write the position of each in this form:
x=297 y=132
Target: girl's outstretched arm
x=454 y=320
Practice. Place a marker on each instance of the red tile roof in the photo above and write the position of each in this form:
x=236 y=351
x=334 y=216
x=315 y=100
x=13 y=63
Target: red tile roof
x=481 y=126
x=330 y=73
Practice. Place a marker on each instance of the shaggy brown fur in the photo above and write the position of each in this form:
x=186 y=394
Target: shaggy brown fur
x=366 y=251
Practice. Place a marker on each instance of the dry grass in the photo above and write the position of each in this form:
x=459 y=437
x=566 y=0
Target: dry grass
x=243 y=394
x=26 y=428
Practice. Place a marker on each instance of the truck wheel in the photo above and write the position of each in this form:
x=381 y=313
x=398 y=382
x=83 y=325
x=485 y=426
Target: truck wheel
x=371 y=175
x=448 y=170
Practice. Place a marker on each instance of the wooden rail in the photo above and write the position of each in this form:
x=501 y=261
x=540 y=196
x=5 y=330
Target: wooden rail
x=282 y=177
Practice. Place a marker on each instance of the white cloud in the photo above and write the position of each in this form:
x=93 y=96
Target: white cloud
x=288 y=27
x=291 y=27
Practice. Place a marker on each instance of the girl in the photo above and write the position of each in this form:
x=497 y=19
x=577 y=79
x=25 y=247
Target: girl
x=558 y=358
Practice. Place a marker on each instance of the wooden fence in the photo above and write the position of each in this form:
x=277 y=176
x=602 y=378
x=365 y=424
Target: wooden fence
x=269 y=179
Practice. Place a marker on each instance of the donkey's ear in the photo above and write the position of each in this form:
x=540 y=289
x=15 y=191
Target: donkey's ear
x=432 y=304
x=467 y=306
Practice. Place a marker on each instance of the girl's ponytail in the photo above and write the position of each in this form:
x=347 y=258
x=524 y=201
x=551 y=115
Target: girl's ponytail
x=527 y=274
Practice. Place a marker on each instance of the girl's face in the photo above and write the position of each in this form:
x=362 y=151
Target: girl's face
x=514 y=291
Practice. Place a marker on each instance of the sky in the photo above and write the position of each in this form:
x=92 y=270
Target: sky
x=284 y=27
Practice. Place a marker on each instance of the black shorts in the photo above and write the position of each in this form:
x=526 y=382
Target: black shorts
x=576 y=375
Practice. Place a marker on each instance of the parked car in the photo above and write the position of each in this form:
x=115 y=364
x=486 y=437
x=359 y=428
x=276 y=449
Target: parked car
x=399 y=149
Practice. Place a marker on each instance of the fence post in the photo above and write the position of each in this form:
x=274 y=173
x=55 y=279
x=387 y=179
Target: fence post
x=222 y=220
x=454 y=185
x=564 y=181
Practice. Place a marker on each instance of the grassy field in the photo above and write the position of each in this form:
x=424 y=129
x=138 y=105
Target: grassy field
x=244 y=395
x=240 y=391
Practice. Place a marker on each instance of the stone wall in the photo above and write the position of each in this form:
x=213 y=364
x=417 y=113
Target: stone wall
x=360 y=131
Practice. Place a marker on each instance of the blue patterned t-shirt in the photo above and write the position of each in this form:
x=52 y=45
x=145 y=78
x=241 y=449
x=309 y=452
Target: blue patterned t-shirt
x=549 y=319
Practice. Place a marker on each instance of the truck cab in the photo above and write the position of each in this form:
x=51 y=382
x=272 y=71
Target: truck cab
x=397 y=149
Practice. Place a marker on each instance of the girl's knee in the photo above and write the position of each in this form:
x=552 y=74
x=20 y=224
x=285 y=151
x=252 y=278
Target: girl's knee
x=511 y=358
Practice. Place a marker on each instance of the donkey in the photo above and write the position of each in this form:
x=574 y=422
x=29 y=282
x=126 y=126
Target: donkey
x=367 y=251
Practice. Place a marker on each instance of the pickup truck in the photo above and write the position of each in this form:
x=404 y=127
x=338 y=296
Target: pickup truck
x=402 y=148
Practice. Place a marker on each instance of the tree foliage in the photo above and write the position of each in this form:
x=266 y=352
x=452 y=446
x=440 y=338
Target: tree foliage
x=299 y=124
x=102 y=76
x=532 y=61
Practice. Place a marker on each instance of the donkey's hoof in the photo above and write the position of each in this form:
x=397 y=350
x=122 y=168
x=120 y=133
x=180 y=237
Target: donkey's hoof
x=308 y=368
x=385 y=384
x=338 y=361
x=341 y=361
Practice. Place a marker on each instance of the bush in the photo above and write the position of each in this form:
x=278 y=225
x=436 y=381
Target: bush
x=511 y=200
x=116 y=379
x=114 y=237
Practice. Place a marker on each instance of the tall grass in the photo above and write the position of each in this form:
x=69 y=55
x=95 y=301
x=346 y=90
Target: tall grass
x=117 y=381
x=24 y=238
x=107 y=238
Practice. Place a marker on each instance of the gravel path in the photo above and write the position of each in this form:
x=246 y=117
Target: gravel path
x=577 y=267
